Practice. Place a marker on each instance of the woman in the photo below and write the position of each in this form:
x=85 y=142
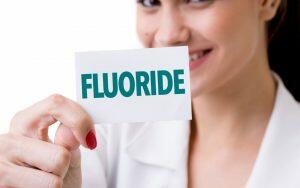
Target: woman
x=245 y=130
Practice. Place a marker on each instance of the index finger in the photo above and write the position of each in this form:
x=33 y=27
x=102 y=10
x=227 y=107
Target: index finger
x=35 y=120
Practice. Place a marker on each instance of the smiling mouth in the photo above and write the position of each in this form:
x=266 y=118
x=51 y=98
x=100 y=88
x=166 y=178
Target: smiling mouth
x=199 y=57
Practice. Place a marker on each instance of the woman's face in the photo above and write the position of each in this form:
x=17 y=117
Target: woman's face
x=223 y=36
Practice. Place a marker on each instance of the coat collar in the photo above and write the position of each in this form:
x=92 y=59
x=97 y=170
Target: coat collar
x=165 y=144
x=162 y=144
x=278 y=161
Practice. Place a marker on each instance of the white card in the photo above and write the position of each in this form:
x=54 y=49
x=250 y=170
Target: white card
x=134 y=85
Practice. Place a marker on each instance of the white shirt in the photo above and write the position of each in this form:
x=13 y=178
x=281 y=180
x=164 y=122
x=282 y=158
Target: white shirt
x=154 y=154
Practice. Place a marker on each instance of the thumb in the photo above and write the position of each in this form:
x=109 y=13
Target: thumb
x=65 y=137
x=73 y=177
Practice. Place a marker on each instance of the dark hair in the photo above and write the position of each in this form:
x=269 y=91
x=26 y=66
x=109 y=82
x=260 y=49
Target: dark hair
x=284 y=45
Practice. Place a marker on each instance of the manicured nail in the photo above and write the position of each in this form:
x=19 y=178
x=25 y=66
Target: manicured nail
x=91 y=140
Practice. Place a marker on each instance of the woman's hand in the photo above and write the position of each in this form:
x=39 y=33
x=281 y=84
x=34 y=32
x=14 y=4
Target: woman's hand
x=27 y=156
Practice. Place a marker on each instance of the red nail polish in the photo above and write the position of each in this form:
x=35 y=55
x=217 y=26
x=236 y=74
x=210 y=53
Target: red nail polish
x=91 y=140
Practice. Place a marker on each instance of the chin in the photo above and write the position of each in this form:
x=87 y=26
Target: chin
x=202 y=85
x=196 y=90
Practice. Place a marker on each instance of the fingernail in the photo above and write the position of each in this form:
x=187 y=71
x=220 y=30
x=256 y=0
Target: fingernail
x=91 y=140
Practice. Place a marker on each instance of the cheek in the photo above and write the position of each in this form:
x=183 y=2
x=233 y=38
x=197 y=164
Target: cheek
x=146 y=27
x=233 y=31
x=229 y=29
x=238 y=39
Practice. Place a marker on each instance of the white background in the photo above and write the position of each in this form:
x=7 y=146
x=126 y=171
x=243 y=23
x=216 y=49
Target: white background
x=38 y=39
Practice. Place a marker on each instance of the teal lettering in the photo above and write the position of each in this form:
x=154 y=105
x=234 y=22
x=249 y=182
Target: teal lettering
x=160 y=82
x=153 y=82
x=114 y=91
x=178 y=81
x=142 y=84
x=97 y=93
x=160 y=75
x=85 y=85
x=122 y=89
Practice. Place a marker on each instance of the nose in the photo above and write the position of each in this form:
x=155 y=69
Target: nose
x=171 y=30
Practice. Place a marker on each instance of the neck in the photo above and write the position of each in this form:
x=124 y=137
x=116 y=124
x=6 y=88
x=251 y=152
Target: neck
x=240 y=107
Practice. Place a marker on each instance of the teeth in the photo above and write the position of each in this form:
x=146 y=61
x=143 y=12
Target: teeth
x=196 y=56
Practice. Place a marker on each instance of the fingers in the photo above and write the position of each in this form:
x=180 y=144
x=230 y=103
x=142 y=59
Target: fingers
x=34 y=121
x=35 y=153
x=26 y=177
x=74 y=170
x=27 y=159
x=64 y=137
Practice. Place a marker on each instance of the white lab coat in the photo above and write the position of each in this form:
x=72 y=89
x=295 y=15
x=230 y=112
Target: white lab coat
x=154 y=154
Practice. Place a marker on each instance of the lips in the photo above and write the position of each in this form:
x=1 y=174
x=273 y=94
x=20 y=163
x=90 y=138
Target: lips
x=197 y=58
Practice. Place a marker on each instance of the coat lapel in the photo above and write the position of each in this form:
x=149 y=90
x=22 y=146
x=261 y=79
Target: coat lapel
x=278 y=161
x=160 y=149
